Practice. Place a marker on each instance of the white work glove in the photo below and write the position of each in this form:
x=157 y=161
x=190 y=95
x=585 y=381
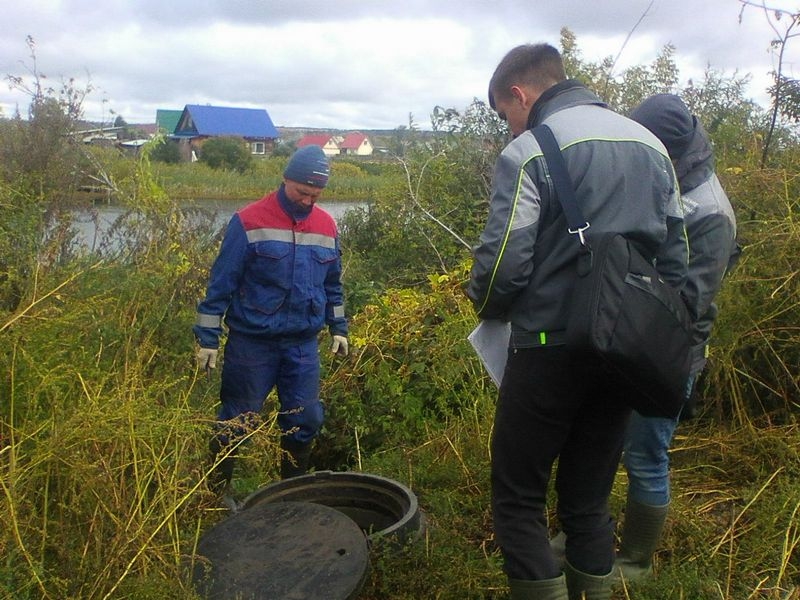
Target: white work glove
x=339 y=345
x=207 y=358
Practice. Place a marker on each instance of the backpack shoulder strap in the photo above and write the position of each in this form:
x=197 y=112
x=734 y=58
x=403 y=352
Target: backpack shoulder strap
x=561 y=179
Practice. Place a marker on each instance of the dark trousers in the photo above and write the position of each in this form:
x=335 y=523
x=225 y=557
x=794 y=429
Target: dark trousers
x=553 y=405
x=253 y=366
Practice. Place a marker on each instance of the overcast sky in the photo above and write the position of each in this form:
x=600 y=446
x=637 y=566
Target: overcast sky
x=352 y=64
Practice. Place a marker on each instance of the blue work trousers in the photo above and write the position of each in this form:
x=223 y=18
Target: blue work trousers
x=253 y=366
x=553 y=406
x=646 y=455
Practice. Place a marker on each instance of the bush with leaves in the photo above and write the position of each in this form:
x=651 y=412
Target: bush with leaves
x=228 y=153
x=167 y=151
x=755 y=348
x=41 y=165
x=105 y=419
x=410 y=368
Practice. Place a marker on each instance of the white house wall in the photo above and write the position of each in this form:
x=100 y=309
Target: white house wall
x=331 y=149
x=364 y=149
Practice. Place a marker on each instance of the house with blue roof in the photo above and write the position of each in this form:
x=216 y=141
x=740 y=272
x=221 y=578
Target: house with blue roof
x=198 y=123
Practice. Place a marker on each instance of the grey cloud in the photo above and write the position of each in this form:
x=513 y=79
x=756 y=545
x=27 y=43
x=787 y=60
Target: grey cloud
x=356 y=62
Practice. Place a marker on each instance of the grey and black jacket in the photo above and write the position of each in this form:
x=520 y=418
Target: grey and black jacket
x=524 y=265
x=711 y=231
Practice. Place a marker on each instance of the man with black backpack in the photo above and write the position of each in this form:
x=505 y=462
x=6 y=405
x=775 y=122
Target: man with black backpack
x=554 y=403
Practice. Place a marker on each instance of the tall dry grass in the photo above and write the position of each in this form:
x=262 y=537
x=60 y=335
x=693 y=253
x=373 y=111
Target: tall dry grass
x=104 y=426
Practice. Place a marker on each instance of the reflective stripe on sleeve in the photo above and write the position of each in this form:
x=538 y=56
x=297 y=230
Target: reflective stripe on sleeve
x=208 y=320
x=338 y=311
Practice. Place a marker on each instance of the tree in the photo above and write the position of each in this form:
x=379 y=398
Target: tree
x=784 y=91
x=624 y=91
x=227 y=153
x=283 y=149
x=40 y=165
x=733 y=121
x=429 y=221
x=39 y=152
x=594 y=75
x=719 y=101
x=166 y=151
x=640 y=81
x=477 y=136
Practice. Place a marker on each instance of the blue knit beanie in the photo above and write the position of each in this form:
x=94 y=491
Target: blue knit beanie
x=309 y=165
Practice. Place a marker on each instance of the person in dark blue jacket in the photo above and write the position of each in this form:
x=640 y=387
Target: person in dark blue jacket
x=711 y=231
x=713 y=250
x=276 y=283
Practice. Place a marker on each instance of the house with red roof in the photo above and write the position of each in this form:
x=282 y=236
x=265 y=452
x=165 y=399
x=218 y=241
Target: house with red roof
x=356 y=143
x=328 y=143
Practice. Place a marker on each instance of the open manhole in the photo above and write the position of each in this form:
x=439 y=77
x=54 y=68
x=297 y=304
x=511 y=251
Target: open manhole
x=385 y=510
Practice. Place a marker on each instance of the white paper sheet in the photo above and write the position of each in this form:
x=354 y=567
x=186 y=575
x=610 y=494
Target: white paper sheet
x=490 y=341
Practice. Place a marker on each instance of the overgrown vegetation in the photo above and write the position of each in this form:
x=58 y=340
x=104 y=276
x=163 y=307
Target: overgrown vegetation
x=104 y=418
x=350 y=180
x=229 y=153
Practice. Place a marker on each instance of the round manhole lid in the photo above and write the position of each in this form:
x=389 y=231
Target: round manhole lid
x=284 y=550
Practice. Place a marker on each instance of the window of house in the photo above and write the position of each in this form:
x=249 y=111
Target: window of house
x=258 y=148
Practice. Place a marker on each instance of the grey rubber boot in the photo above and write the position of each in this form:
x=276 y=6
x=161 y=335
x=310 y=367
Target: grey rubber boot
x=543 y=589
x=583 y=586
x=295 y=458
x=641 y=534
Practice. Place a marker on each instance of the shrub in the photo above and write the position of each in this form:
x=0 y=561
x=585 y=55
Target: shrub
x=411 y=367
x=167 y=151
x=230 y=153
x=754 y=350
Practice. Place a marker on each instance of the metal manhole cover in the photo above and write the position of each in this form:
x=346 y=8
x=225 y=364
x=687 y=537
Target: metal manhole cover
x=282 y=551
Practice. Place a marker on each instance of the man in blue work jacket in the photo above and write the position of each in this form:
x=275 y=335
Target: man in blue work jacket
x=276 y=283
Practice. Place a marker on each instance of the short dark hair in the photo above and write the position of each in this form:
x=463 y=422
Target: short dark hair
x=537 y=65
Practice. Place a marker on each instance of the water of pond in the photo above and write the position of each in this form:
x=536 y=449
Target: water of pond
x=93 y=225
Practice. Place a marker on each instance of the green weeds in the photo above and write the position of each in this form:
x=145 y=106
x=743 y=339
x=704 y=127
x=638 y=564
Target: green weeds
x=349 y=181
x=104 y=419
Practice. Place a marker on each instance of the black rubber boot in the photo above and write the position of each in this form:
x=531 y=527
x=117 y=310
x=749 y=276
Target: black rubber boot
x=219 y=480
x=544 y=589
x=295 y=458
